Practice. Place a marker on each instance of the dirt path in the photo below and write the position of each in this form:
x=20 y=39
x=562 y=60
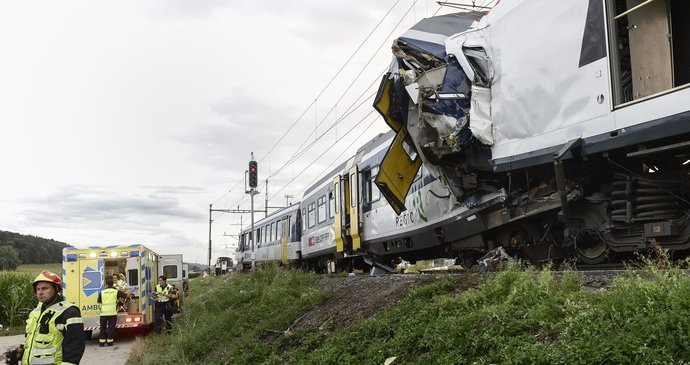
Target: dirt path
x=94 y=355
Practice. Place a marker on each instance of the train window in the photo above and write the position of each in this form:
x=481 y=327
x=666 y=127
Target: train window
x=304 y=219
x=479 y=61
x=336 y=192
x=279 y=230
x=353 y=190
x=311 y=216
x=375 y=192
x=370 y=192
x=273 y=232
x=331 y=204
x=289 y=229
x=410 y=150
x=290 y=232
x=322 y=209
x=648 y=47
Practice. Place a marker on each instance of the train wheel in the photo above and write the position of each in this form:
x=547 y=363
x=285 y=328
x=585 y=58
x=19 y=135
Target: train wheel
x=590 y=248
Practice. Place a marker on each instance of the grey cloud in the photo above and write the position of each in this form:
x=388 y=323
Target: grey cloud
x=175 y=190
x=248 y=124
x=86 y=204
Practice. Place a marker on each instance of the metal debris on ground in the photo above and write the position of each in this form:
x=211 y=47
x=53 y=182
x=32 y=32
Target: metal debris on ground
x=493 y=259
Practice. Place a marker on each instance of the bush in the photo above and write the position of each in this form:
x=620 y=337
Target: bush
x=9 y=258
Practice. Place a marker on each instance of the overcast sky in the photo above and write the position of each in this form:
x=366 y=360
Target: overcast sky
x=121 y=121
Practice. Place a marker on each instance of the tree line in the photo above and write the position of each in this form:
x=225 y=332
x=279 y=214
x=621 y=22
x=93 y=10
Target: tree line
x=17 y=249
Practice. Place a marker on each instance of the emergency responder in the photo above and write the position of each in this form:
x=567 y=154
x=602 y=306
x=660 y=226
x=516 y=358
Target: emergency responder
x=218 y=268
x=120 y=284
x=54 y=330
x=108 y=298
x=164 y=296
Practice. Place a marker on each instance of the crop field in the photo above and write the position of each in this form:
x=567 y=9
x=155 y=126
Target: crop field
x=35 y=269
x=17 y=297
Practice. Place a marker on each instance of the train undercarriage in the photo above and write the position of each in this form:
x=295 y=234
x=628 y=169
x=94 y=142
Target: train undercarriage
x=609 y=206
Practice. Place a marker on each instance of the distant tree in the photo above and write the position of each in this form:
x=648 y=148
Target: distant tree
x=9 y=258
x=32 y=249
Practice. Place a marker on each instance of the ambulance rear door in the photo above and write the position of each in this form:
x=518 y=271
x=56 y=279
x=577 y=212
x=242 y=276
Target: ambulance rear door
x=91 y=276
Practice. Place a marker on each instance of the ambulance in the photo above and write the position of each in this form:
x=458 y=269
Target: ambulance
x=84 y=272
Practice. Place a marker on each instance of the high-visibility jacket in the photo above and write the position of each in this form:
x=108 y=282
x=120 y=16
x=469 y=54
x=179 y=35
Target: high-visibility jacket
x=217 y=265
x=47 y=329
x=109 y=302
x=167 y=290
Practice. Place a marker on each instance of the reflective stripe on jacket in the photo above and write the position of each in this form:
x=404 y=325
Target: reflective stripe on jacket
x=44 y=336
x=109 y=302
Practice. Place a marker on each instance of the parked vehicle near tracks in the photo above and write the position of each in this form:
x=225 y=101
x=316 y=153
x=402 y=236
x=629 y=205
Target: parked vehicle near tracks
x=84 y=272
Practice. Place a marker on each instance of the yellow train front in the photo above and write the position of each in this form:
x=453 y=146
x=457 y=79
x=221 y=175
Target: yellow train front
x=84 y=272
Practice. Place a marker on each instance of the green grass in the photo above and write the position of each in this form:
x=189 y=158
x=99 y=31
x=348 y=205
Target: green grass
x=35 y=269
x=226 y=317
x=519 y=316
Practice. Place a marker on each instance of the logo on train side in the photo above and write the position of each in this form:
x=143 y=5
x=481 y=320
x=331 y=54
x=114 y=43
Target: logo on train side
x=314 y=240
x=412 y=215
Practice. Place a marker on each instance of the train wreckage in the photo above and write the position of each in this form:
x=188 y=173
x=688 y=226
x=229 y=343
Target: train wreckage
x=554 y=130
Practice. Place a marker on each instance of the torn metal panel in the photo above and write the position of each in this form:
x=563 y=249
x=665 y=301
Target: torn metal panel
x=397 y=171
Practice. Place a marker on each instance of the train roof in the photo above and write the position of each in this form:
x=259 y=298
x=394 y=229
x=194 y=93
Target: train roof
x=371 y=145
x=273 y=215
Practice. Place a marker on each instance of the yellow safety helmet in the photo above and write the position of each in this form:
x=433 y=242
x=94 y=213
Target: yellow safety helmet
x=49 y=277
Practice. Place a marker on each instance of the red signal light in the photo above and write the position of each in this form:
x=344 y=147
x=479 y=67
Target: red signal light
x=253 y=174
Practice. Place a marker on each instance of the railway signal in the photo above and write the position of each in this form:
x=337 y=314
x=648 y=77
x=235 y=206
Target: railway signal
x=253 y=174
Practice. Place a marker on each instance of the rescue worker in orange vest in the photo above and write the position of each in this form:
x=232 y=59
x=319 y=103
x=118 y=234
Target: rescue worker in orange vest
x=54 y=329
x=108 y=298
x=164 y=296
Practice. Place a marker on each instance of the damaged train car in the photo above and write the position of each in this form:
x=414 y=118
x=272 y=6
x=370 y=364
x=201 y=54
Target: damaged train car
x=575 y=113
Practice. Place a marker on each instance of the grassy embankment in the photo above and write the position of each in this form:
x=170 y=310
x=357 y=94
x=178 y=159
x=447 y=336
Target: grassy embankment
x=519 y=316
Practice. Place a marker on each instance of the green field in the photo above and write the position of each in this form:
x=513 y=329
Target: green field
x=35 y=269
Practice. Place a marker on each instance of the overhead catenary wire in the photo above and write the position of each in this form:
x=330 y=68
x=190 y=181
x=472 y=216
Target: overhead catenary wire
x=327 y=150
x=354 y=53
x=299 y=152
x=320 y=174
x=378 y=49
x=332 y=78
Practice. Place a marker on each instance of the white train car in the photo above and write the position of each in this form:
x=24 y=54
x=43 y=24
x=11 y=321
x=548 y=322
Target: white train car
x=579 y=116
x=277 y=239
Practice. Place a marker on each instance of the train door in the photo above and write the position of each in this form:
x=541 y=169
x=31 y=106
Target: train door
x=284 y=240
x=354 y=207
x=401 y=163
x=338 y=215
